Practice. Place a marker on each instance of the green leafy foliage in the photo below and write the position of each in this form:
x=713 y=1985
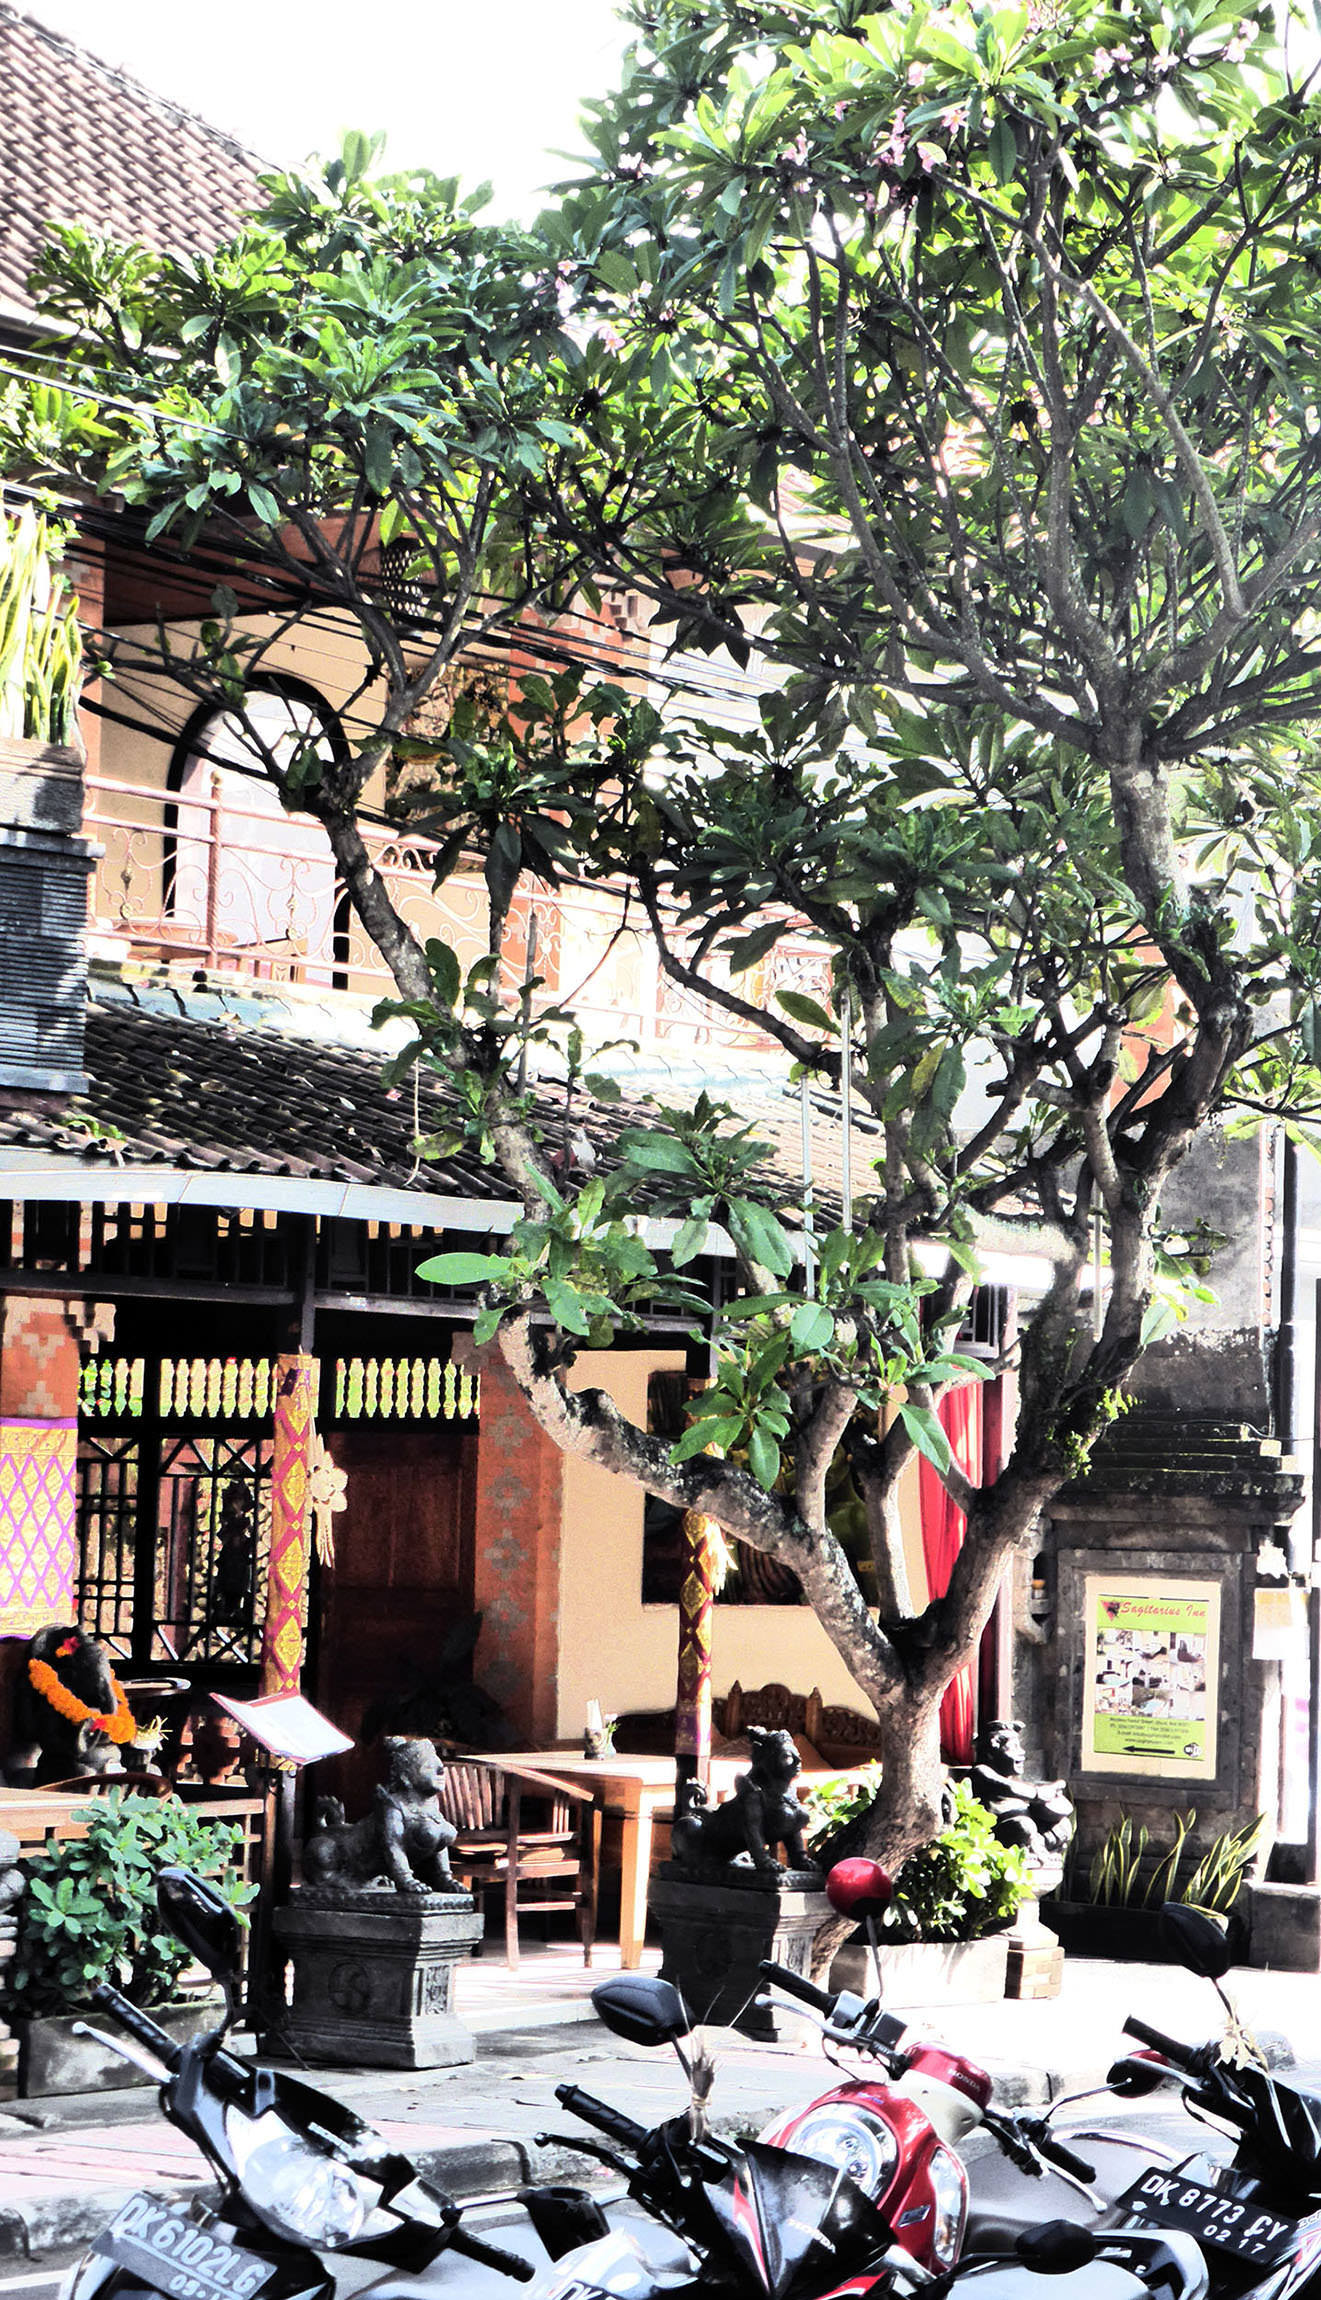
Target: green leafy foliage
x=965 y=1883
x=1116 y=1879
x=40 y=640
x=89 y=1913
x=960 y=1885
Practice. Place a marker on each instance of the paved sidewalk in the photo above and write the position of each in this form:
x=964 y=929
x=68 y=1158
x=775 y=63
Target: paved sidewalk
x=67 y=2163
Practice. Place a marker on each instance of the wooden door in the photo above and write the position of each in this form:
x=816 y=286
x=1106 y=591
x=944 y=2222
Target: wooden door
x=402 y=1577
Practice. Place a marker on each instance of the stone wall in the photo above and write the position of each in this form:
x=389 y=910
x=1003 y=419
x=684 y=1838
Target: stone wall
x=1186 y=1502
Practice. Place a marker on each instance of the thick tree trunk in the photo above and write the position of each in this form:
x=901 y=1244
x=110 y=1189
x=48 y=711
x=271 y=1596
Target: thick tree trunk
x=907 y=1810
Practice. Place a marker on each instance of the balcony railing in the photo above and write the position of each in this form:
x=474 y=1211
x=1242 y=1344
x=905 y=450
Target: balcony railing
x=236 y=886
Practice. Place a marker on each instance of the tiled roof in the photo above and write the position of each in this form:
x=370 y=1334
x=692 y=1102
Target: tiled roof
x=82 y=142
x=227 y=1091
x=249 y=1084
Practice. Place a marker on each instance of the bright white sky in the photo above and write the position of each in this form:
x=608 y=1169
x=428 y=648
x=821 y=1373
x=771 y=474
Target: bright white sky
x=464 y=88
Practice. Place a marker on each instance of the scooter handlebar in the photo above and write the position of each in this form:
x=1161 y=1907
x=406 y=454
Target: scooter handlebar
x=1056 y=2152
x=139 y=2025
x=611 y=2121
x=491 y=2256
x=796 y=1985
x=1178 y=2055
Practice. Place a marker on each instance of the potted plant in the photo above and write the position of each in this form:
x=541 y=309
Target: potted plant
x=1112 y=1907
x=40 y=669
x=89 y=1914
x=944 y=1937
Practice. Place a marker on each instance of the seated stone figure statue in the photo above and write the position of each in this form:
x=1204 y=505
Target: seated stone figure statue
x=70 y=1714
x=403 y=1842
x=1037 y=1816
x=762 y=1813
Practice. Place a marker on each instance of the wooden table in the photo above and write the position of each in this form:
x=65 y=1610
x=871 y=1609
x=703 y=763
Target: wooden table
x=637 y=1788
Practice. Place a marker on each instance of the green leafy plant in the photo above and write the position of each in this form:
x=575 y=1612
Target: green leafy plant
x=963 y=1884
x=833 y=1806
x=89 y=1913
x=40 y=642
x=1114 y=1879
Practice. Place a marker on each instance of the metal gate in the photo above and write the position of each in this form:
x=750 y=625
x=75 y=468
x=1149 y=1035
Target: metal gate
x=174 y=1516
x=174 y=1505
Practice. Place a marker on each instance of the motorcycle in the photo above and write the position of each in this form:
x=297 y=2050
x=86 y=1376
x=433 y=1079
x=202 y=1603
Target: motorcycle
x=868 y=2206
x=1257 y=2216
x=1254 y=2210
x=925 y=2123
x=301 y=2177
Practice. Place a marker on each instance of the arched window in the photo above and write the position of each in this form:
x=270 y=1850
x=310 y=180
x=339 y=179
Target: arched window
x=242 y=876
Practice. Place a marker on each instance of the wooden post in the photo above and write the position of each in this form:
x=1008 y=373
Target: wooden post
x=287 y=1567
x=692 y=1714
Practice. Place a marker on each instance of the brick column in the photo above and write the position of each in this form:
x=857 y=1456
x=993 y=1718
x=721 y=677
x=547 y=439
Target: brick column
x=516 y=1552
x=39 y=1366
x=287 y=1568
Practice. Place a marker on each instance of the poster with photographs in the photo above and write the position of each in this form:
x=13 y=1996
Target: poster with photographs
x=1151 y=1676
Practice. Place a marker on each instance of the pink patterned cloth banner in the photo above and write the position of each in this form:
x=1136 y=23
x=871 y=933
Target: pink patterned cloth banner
x=38 y=1525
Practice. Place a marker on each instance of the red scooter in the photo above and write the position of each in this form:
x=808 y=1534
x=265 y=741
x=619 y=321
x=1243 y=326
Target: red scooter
x=899 y=2133
x=860 y=2195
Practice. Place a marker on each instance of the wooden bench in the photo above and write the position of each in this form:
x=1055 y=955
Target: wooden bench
x=835 y=1735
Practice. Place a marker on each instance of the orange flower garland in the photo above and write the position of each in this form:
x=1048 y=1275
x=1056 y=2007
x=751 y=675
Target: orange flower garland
x=121 y=1727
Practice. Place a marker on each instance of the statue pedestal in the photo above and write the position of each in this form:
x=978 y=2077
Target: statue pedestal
x=1036 y=1960
x=717 y=1926
x=374 y=1975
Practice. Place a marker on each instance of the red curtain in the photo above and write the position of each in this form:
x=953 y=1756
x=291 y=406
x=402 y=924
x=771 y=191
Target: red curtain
x=943 y=1526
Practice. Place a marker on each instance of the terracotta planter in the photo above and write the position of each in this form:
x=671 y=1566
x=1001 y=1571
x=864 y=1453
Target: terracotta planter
x=41 y=786
x=927 y=1972
x=52 y=2059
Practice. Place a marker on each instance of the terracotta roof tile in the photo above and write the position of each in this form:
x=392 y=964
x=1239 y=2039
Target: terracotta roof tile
x=223 y=1084
x=83 y=142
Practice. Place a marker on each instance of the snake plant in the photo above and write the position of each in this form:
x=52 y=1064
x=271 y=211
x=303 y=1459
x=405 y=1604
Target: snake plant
x=1115 y=1879
x=40 y=642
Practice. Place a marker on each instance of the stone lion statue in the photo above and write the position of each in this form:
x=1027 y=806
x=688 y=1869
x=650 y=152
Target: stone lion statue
x=405 y=1839
x=762 y=1813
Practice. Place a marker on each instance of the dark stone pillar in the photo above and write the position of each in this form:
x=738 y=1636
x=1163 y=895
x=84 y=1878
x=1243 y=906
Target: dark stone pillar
x=715 y=1934
x=1183 y=1499
x=374 y=1975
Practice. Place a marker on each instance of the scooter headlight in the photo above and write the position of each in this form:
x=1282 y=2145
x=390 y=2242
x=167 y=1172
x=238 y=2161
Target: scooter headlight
x=296 y=2189
x=949 y=2190
x=852 y=2140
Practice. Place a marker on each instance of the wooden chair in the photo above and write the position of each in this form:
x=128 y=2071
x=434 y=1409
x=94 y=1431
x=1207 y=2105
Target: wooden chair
x=525 y=1834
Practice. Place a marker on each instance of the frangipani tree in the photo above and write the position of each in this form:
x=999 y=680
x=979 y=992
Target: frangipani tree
x=965 y=354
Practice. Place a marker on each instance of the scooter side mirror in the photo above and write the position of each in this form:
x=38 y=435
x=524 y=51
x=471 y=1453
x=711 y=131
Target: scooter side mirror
x=1057 y=2247
x=642 y=2010
x=1196 y=1939
x=1133 y=2078
x=197 y=1916
x=859 y=1888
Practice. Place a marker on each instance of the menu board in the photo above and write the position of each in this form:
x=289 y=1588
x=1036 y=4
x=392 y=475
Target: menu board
x=287 y=1726
x=1151 y=1675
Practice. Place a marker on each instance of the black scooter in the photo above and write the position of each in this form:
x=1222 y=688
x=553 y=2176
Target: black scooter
x=301 y=2177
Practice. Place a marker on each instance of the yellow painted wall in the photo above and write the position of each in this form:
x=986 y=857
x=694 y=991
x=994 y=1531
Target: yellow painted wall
x=622 y=1653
